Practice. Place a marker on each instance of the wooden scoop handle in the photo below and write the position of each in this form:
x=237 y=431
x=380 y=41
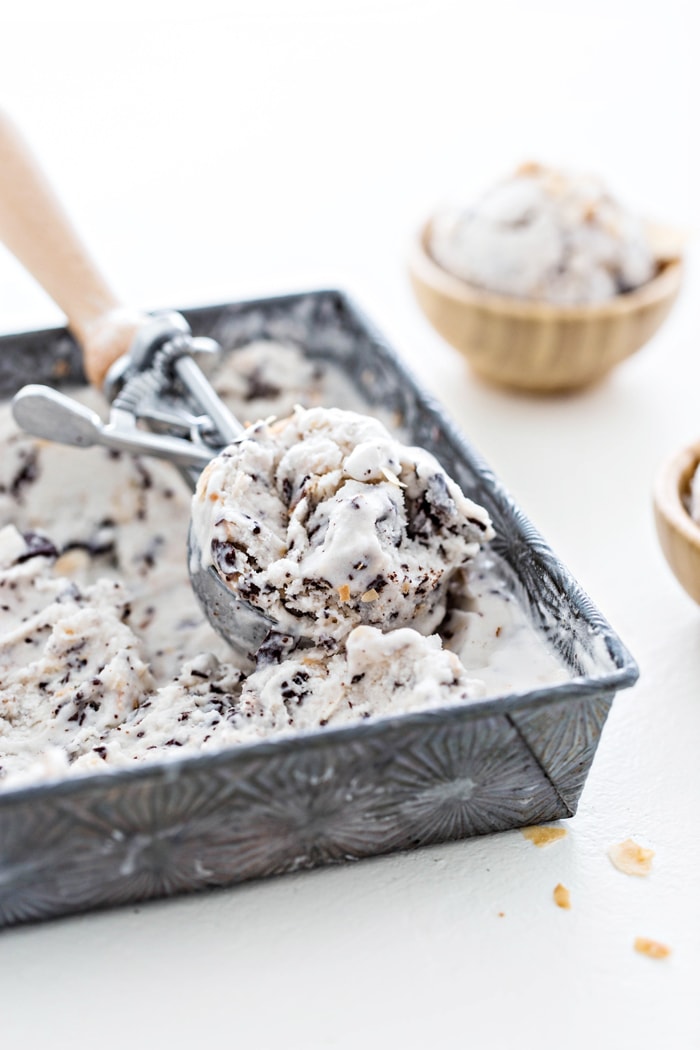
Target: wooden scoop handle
x=37 y=231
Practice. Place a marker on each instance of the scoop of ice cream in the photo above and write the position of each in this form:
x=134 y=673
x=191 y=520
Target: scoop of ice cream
x=324 y=521
x=549 y=235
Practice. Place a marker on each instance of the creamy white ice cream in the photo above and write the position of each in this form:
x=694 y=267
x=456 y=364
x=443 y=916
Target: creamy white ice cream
x=549 y=235
x=325 y=521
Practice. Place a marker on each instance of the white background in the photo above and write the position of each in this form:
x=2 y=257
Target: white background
x=217 y=150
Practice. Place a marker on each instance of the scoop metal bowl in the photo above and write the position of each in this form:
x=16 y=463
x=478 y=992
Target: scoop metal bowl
x=245 y=628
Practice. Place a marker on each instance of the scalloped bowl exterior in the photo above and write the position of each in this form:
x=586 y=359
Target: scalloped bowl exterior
x=678 y=534
x=537 y=346
x=331 y=795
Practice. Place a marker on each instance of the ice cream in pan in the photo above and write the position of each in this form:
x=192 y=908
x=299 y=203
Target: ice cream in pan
x=106 y=659
x=341 y=543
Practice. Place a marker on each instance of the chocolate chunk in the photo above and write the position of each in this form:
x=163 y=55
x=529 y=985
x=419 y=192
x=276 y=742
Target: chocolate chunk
x=38 y=546
x=225 y=556
x=260 y=388
x=274 y=649
x=28 y=473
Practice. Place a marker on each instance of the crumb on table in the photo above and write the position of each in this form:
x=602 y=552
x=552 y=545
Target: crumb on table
x=562 y=896
x=652 y=949
x=631 y=858
x=542 y=835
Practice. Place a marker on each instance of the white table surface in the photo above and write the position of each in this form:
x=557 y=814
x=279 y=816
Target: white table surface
x=215 y=150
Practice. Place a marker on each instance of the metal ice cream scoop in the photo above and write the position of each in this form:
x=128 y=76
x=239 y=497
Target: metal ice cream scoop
x=161 y=403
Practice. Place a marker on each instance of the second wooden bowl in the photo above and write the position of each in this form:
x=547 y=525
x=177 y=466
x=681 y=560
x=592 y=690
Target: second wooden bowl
x=538 y=346
x=678 y=534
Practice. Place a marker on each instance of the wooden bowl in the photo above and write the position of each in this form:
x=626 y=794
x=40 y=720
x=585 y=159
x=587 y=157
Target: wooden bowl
x=678 y=534
x=538 y=346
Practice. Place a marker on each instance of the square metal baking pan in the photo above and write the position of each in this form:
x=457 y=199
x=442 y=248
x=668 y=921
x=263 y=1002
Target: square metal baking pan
x=330 y=795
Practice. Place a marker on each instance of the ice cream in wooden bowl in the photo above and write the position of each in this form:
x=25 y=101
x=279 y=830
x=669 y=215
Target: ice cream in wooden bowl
x=546 y=282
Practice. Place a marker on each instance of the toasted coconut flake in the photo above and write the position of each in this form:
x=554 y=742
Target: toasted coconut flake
x=542 y=835
x=668 y=243
x=390 y=476
x=344 y=592
x=631 y=858
x=652 y=949
x=72 y=561
x=562 y=897
x=370 y=596
x=276 y=425
x=528 y=167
